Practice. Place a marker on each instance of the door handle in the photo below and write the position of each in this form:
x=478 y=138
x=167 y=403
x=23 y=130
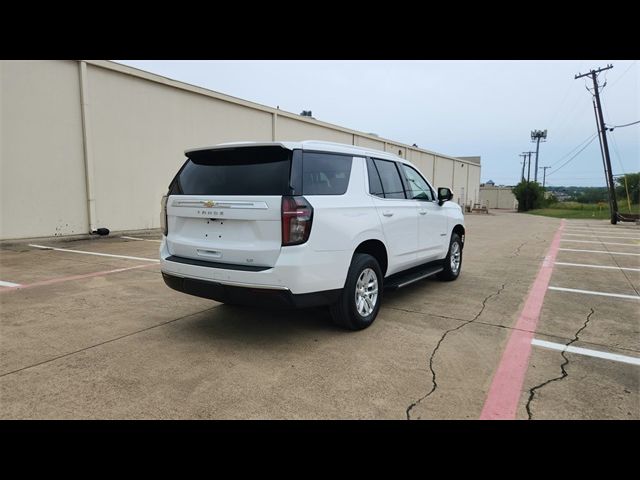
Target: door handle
x=422 y=211
x=387 y=213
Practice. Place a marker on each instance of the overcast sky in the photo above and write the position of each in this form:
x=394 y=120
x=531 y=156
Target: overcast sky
x=458 y=108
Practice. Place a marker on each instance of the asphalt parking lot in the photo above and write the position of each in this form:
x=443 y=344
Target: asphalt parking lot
x=101 y=336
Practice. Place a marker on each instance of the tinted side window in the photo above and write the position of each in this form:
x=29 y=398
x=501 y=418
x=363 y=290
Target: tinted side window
x=375 y=186
x=391 y=182
x=418 y=188
x=325 y=173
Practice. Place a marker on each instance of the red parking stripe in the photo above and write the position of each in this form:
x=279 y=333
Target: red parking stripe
x=72 y=277
x=506 y=387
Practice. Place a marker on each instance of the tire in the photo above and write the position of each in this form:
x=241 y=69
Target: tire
x=451 y=271
x=346 y=312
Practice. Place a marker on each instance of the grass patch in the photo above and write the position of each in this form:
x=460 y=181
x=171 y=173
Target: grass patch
x=582 y=210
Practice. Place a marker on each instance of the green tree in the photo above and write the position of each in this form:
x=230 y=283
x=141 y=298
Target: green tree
x=530 y=195
x=592 y=195
x=633 y=184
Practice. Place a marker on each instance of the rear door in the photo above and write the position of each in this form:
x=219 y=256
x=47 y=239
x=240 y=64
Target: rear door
x=225 y=205
x=398 y=215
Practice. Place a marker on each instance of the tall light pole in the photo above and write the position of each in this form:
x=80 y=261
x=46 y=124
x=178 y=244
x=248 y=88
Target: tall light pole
x=536 y=136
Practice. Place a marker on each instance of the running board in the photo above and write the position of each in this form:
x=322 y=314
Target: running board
x=414 y=275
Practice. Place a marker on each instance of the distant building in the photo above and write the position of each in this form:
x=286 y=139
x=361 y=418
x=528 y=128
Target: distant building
x=560 y=196
x=497 y=197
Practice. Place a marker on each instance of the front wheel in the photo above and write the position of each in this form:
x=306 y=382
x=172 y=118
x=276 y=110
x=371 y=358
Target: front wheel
x=453 y=260
x=361 y=296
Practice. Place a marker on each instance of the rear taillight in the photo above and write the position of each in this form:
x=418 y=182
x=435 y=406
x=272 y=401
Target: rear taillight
x=297 y=216
x=163 y=215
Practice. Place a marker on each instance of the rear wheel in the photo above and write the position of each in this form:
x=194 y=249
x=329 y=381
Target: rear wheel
x=361 y=296
x=453 y=260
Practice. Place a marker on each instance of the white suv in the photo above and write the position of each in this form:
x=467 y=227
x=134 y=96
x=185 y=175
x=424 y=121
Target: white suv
x=302 y=224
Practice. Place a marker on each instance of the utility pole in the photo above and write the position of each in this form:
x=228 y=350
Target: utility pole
x=536 y=136
x=544 y=175
x=613 y=204
x=529 y=167
x=524 y=162
x=604 y=164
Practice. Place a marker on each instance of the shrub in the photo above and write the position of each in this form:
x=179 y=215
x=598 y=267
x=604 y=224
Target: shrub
x=530 y=195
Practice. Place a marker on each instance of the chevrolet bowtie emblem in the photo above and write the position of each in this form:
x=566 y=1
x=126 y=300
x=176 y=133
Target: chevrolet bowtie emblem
x=209 y=204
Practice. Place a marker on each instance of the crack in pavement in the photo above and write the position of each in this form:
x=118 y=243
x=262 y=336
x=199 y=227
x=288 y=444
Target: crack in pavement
x=434 y=383
x=536 y=238
x=516 y=252
x=564 y=373
x=508 y=327
x=430 y=314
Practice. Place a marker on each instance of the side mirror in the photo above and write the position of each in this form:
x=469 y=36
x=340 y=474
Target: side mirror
x=444 y=194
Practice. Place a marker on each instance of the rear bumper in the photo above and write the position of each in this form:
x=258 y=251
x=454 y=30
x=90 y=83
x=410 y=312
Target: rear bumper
x=258 y=297
x=299 y=270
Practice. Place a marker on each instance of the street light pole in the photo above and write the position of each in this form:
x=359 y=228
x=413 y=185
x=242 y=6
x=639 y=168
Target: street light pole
x=536 y=136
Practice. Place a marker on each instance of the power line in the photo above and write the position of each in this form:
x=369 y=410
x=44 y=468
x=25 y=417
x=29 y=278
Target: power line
x=578 y=153
x=566 y=95
x=590 y=137
x=623 y=73
x=620 y=126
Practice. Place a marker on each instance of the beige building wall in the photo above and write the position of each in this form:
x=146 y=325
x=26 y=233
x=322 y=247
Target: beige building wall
x=42 y=185
x=425 y=163
x=135 y=129
x=297 y=130
x=396 y=149
x=460 y=174
x=366 y=142
x=443 y=172
x=139 y=132
x=473 y=184
x=498 y=197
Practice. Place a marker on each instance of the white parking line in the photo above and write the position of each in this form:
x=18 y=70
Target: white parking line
x=598 y=251
x=585 y=351
x=617 y=232
x=599 y=236
x=95 y=253
x=590 y=292
x=597 y=266
x=600 y=243
x=603 y=234
x=142 y=239
x=8 y=284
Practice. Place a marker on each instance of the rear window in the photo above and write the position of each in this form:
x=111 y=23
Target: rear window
x=236 y=171
x=375 y=186
x=325 y=173
x=391 y=182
